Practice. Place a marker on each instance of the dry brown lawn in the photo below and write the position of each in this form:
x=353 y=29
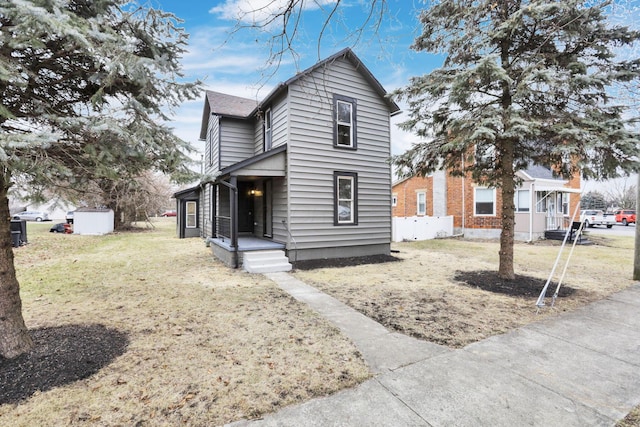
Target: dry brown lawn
x=207 y=345
x=420 y=296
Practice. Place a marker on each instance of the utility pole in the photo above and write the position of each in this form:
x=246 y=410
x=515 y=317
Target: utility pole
x=636 y=254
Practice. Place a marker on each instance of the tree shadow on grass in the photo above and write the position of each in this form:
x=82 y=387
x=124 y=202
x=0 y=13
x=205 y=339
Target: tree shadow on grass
x=521 y=286
x=61 y=355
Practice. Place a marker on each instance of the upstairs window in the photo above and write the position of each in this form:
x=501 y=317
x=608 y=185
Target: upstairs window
x=421 y=198
x=485 y=156
x=268 y=131
x=344 y=122
x=345 y=210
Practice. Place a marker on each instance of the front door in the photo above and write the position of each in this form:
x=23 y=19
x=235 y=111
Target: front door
x=246 y=195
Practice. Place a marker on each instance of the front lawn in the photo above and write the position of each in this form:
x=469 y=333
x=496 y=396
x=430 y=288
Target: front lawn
x=183 y=339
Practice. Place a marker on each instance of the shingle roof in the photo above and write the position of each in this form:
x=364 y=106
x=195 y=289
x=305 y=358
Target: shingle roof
x=540 y=172
x=241 y=108
x=230 y=105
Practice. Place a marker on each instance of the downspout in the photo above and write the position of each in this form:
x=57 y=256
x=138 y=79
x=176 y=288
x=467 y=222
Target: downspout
x=531 y=207
x=464 y=208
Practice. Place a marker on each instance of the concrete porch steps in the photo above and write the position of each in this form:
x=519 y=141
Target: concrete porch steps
x=268 y=261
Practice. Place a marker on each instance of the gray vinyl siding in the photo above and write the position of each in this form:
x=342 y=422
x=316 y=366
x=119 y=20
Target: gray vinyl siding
x=258 y=139
x=279 y=117
x=279 y=128
x=212 y=146
x=280 y=210
x=237 y=141
x=312 y=160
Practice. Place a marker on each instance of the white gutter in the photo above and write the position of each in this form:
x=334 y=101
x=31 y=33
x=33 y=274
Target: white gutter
x=532 y=206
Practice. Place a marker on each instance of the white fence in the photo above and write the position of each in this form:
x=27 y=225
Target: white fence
x=421 y=227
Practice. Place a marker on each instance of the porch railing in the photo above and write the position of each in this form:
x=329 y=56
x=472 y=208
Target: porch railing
x=557 y=222
x=223 y=227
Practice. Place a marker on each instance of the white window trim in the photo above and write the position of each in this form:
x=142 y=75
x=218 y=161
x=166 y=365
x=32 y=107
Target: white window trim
x=193 y=215
x=353 y=199
x=394 y=200
x=349 y=123
x=339 y=100
x=517 y=198
x=493 y=190
x=350 y=199
x=418 y=211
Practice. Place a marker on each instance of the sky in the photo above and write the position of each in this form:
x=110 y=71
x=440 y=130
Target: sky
x=234 y=60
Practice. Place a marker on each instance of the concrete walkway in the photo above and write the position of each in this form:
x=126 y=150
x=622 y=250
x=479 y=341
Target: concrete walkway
x=577 y=369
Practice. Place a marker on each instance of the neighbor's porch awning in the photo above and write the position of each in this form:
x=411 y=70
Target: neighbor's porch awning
x=558 y=189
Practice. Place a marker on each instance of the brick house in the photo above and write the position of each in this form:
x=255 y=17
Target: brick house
x=543 y=202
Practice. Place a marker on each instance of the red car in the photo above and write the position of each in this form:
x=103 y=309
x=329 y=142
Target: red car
x=626 y=216
x=168 y=213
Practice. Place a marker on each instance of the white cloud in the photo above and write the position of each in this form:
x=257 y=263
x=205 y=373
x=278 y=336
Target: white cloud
x=260 y=12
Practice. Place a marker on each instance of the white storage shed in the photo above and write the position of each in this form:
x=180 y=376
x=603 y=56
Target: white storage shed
x=93 y=221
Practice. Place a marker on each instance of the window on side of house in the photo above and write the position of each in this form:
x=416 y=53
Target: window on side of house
x=345 y=198
x=484 y=201
x=345 y=135
x=267 y=131
x=394 y=200
x=210 y=143
x=191 y=215
x=421 y=202
x=485 y=156
x=522 y=201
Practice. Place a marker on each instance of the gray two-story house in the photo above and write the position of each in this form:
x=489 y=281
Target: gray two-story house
x=305 y=171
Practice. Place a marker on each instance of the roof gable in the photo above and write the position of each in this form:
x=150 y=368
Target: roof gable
x=243 y=108
x=349 y=55
x=222 y=104
x=537 y=172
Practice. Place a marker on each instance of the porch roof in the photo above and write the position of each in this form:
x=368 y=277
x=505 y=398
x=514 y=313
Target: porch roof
x=542 y=187
x=269 y=163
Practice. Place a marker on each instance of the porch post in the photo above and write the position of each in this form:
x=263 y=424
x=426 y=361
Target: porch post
x=214 y=209
x=233 y=203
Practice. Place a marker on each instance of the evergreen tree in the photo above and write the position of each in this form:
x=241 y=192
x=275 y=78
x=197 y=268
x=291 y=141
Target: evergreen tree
x=82 y=84
x=593 y=200
x=523 y=82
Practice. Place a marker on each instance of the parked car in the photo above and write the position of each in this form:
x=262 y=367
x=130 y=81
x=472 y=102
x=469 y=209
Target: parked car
x=32 y=216
x=69 y=217
x=61 y=228
x=593 y=217
x=169 y=213
x=626 y=216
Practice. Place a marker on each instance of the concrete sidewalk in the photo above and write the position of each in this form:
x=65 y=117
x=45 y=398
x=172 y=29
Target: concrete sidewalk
x=578 y=369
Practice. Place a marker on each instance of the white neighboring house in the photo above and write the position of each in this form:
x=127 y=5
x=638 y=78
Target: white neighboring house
x=55 y=209
x=90 y=221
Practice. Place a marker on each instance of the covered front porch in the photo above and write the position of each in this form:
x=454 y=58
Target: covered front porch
x=543 y=210
x=242 y=207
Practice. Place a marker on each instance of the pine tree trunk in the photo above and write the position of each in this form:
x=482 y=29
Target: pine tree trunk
x=14 y=336
x=505 y=270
